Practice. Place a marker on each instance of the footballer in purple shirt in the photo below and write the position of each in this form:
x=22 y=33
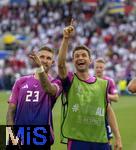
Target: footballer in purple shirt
x=99 y=67
x=34 y=104
x=31 y=101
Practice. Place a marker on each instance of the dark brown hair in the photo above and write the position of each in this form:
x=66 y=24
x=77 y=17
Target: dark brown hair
x=81 y=47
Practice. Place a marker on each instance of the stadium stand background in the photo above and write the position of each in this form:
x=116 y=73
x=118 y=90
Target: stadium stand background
x=108 y=27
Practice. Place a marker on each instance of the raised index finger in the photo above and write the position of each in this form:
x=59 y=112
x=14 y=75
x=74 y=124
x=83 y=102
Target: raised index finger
x=72 y=22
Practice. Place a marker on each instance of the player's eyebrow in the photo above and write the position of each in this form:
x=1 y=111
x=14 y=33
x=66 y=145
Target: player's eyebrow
x=49 y=57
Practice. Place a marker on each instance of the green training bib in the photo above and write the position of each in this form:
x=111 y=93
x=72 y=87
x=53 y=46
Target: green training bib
x=84 y=111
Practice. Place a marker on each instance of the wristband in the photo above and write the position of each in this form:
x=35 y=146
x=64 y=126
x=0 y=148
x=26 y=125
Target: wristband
x=40 y=69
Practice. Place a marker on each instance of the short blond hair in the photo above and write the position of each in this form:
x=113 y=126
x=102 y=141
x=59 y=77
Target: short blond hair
x=46 y=48
x=100 y=60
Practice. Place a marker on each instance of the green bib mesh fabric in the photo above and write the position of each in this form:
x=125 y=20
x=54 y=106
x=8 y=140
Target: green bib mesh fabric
x=83 y=111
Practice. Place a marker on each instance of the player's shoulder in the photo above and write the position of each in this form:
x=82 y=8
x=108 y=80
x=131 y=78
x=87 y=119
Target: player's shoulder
x=53 y=79
x=22 y=79
x=102 y=83
x=70 y=76
x=108 y=78
x=101 y=80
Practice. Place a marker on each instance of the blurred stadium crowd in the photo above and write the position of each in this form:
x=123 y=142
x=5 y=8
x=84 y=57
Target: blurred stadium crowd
x=25 y=26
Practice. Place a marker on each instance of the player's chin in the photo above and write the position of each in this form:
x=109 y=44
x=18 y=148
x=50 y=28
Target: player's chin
x=81 y=69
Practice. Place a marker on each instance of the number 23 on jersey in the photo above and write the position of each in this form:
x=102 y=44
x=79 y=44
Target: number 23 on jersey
x=32 y=96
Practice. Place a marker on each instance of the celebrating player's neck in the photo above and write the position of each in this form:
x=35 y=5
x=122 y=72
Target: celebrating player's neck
x=83 y=75
x=99 y=76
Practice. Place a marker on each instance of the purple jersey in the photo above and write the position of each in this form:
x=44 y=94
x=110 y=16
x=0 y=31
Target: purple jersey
x=112 y=87
x=34 y=105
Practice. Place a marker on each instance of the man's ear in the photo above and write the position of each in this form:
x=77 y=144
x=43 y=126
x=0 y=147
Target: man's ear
x=73 y=60
x=53 y=62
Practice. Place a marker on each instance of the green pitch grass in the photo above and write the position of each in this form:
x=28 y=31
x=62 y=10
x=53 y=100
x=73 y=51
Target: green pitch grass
x=125 y=111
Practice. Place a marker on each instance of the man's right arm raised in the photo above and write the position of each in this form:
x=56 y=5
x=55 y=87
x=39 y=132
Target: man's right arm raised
x=62 y=69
